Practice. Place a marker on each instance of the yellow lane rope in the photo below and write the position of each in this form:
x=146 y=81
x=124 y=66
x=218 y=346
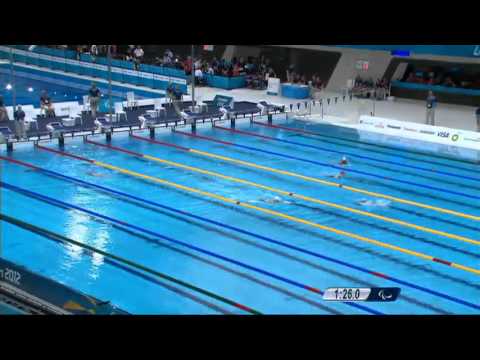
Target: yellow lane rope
x=334 y=184
x=310 y=199
x=288 y=217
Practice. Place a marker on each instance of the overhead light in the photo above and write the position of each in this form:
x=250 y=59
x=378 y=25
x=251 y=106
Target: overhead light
x=8 y=87
x=30 y=89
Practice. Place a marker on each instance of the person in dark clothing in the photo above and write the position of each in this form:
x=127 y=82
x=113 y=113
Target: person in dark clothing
x=3 y=111
x=94 y=98
x=478 y=119
x=19 y=116
x=431 y=105
x=46 y=105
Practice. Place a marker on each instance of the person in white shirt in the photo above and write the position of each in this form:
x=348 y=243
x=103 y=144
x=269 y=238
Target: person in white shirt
x=94 y=51
x=138 y=56
x=198 y=75
x=138 y=52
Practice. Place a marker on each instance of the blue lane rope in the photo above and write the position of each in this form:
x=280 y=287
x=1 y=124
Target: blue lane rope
x=353 y=171
x=370 y=158
x=181 y=243
x=261 y=237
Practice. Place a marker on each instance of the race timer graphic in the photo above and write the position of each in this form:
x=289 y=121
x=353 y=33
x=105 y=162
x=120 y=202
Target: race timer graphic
x=362 y=294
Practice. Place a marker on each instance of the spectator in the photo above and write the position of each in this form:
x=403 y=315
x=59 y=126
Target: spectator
x=19 y=116
x=46 y=105
x=236 y=69
x=94 y=98
x=431 y=105
x=3 y=111
x=113 y=51
x=449 y=82
x=198 y=76
x=210 y=70
x=411 y=77
x=138 y=54
x=94 y=52
x=79 y=52
x=187 y=65
x=290 y=73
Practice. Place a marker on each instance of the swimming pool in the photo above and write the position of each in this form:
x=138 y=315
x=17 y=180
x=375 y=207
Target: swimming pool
x=28 y=90
x=29 y=83
x=258 y=221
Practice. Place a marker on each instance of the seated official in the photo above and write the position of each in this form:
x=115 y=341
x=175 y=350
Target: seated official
x=46 y=105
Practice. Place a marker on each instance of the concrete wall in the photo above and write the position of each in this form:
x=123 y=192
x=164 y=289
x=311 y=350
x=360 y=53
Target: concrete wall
x=239 y=51
x=346 y=67
x=379 y=61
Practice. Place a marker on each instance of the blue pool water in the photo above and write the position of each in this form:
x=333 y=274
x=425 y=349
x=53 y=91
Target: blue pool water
x=139 y=294
x=24 y=96
x=28 y=92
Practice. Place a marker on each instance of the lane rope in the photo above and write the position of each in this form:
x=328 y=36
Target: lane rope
x=403 y=150
x=114 y=261
x=347 y=170
x=181 y=243
x=303 y=177
x=276 y=213
x=288 y=193
x=345 y=152
x=245 y=232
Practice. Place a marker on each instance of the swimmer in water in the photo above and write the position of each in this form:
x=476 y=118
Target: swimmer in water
x=93 y=173
x=274 y=200
x=340 y=175
x=344 y=161
x=379 y=203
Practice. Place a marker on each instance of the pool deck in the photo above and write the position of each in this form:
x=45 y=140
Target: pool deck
x=448 y=115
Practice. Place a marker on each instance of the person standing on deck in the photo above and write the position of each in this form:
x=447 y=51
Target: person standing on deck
x=94 y=98
x=3 y=111
x=19 y=116
x=478 y=118
x=46 y=105
x=431 y=105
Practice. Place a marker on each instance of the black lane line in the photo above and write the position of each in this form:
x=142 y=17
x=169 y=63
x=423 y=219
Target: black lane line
x=139 y=274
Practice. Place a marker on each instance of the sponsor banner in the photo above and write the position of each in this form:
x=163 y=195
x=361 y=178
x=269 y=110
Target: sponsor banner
x=273 y=86
x=93 y=66
x=52 y=292
x=453 y=141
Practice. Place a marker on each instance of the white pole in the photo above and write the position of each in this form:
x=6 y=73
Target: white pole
x=110 y=104
x=193 y=79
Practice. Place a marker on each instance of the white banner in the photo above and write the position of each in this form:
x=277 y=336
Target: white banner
x=273 y=86
x=453 y=142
